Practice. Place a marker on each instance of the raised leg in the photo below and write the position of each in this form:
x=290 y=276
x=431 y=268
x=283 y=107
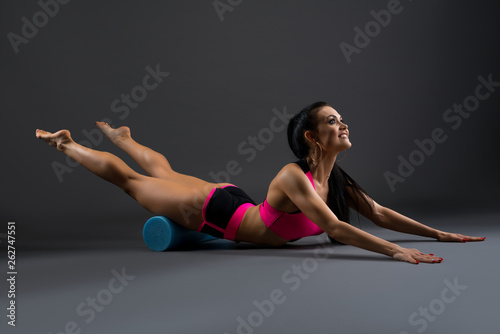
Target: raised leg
x=103 y=164
x=153 y=163
x=160 y=196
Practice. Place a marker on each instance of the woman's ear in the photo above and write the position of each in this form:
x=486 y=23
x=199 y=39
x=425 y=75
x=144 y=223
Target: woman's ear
x=309 y=137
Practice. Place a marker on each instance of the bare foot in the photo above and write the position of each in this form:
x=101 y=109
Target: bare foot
x=115 y=135
x=57 y=140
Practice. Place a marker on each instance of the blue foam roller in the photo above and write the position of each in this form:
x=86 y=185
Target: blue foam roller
x=161 y=233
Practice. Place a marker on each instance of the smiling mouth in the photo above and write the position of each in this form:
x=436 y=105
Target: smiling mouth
x=344 y=136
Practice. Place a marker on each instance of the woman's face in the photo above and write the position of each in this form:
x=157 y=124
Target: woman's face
x=332 y=132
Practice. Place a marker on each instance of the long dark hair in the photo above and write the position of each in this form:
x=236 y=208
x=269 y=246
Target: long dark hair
x=338 y=196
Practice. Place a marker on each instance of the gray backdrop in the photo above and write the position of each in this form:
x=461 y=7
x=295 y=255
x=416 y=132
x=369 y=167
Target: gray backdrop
x=231 y=71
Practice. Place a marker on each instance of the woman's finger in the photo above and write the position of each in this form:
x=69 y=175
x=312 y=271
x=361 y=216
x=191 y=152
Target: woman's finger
x=414 y=256
x=428 y=258
x=434 y=259
x=456 y=237
x=467 y=238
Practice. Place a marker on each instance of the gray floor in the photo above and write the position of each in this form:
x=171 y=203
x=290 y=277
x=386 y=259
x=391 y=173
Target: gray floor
x=223 y=287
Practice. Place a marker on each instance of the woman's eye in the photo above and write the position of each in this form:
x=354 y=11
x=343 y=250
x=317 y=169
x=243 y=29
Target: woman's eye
x=332 y=121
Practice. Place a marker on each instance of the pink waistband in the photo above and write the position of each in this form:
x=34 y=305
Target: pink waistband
x=235 y=221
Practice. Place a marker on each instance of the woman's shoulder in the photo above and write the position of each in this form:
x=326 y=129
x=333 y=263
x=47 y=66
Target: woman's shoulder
x=291 y=172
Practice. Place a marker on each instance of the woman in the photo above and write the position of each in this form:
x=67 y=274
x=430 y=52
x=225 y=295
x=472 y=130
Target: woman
x=307 y=197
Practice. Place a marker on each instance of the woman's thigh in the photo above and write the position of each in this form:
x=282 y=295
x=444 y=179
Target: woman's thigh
x=181 y=202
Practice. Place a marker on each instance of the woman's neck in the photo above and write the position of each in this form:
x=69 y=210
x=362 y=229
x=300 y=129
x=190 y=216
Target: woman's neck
x=321 y=171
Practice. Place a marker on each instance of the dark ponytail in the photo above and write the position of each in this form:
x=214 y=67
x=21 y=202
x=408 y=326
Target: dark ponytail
x=304 y=121
x=338 y=197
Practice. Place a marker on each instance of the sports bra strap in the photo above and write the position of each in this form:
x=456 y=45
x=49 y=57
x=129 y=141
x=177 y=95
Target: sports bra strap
x=305 y=168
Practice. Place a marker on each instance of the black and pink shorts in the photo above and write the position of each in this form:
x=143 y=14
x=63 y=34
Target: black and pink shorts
x=223 y=211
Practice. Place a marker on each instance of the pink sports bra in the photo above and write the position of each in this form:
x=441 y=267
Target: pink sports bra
x=290 y=226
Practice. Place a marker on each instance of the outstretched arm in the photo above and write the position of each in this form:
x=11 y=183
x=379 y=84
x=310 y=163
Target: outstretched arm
x=297 y=187
x=392 y=220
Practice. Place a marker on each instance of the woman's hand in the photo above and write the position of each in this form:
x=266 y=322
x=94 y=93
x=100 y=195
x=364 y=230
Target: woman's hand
x=445 y=236
x=414 y=256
